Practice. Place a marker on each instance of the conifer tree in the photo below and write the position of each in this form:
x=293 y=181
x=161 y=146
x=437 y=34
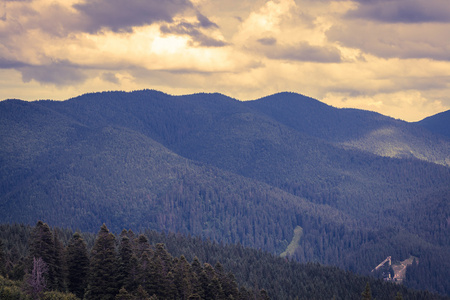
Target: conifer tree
x=196 y=266
x=399 y=296
x=103 y=267
x=144 y=272
x=123 y=295
x=367 y=294
x=142 y=245
x=183 y=277
x=157 y=277
x=59 y=263
x=42 y=245
x=170 y=288
x=264 y=295
x=141 y=294
x=77 y=265
x=128 y=264
x=164 y=256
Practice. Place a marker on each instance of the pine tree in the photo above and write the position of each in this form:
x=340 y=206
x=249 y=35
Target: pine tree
x=42 y=245
x=144 y=272
x=264 y=295
x=142 y=246
x=123 y=295
x=196 y=266
x=103 y=267
x=141 y=294
x=367 y=294
x=59 y=264
x=170 y=288
x=128 y=264
x=399 y=296
x=183 y=277
x=77 y=265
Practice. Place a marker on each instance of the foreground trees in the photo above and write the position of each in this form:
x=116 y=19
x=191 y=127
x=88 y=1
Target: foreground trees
x=143 y=268
x=77 y=265
x=126 y=269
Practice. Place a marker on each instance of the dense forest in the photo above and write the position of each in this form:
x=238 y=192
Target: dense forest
x=359 y=186
x=43 y=263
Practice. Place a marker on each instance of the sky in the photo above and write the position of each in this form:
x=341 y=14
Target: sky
x=388 y=56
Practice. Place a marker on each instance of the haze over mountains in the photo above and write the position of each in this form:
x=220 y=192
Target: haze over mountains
x=361 y=185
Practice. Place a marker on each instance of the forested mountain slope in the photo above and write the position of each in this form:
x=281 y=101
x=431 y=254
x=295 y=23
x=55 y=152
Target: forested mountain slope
x=212 y=166
x=439 y=123
x=357 y=129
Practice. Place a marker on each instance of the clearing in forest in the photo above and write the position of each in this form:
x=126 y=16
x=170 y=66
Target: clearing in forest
x=298 y=232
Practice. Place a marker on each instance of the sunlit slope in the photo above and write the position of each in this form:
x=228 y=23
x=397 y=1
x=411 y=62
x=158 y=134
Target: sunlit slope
x=359 y=129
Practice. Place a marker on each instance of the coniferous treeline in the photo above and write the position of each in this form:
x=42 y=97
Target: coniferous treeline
x=124 y=268
x=157 y=265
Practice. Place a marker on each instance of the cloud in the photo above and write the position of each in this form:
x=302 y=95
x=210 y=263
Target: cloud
x=120 y=15
x=205 y=22
x=408 y=105
x=303 y=51
x=402 y=11
x=267 y=41
x=394 y=41
x=193 y=30
x=110 y=77
x=57 y=73
x=10 y=64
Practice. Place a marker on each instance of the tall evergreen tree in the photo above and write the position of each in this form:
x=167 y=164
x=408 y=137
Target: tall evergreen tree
x=367 y=294
x=144 y=272
x=142 y=245
x=77 y=265
x=103 y=267
x=42 y=245
x=399 y=296
x=123 y=295
x=141 y=294
x=59 y=263
x=183 y=277
x=128 y=264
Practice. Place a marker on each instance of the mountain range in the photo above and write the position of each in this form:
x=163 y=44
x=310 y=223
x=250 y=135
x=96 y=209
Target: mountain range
x=360 y=185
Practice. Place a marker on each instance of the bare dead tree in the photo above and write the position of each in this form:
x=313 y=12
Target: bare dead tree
x=36 y=282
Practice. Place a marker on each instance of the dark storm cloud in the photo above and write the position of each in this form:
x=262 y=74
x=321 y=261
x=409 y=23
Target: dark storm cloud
x=58 y=73
x=193 y=30
x=122 y=15
x=267 y=41
x=205 y=22
x=305 y=52
x=403 y=11
x=10 y=64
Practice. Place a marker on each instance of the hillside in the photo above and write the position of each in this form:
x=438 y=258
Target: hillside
x=247 y=172
x=358 y=129
x=439 y=123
